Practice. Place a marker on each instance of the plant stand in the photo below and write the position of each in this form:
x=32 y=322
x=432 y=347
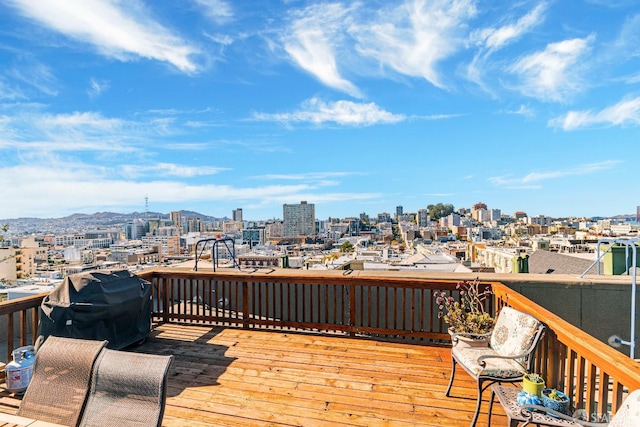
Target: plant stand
x=507 y=396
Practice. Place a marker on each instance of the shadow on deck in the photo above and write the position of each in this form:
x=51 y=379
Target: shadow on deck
x=236 y=377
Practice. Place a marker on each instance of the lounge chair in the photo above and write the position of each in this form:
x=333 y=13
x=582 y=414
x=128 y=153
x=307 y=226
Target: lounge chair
x=61 y=373
x=127 y=389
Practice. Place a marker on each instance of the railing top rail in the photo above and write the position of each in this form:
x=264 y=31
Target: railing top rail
x=19 y=304
x=614 y=363
x=323 y=277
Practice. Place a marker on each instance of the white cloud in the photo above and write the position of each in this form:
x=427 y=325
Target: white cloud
x=38 y=189
x=170 y=169
x=311 y=43
x=534 y=179
x=37 y=76
x=121 y=30
x=305 y=176
x=492 y=39
x=496 y=38
x=625 y=112
x=553 y=74
x=96 y=87
x=339 y=112
x=9 y=92
x=218 y=10
x=413 y=38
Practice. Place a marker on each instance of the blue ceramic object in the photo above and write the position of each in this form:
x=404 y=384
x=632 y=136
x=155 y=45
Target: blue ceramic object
x=525 y=398
x=557 y=405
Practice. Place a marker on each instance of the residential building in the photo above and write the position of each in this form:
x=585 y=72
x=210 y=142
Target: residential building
x=399 y=211
x=176 y=219
x=237 y=215
x=423 y=217
x=274 y=229
x=299 y=219
x=254 y=236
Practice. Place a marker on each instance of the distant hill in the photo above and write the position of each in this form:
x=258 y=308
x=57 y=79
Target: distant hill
x=24 y=225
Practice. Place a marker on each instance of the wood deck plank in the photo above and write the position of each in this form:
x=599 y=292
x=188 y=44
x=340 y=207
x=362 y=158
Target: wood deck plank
x=237 y=377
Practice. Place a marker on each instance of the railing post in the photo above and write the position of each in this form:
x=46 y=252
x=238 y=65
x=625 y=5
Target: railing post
x=245 y=304
x=9 y=337
x=352 y=308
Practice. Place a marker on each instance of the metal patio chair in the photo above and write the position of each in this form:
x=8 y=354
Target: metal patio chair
x=507 y=357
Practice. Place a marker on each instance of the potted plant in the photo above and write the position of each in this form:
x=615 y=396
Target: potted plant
x=466 y=315
x=556 y=400
x=533 y=383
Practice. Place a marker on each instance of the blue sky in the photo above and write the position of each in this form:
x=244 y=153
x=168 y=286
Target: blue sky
x=356 y=106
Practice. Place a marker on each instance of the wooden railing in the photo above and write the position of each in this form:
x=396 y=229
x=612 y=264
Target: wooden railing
x=26 y=309
x=595 y=376
x=394 y=308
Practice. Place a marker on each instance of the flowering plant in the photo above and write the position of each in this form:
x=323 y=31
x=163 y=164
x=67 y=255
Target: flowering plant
x=467 y=315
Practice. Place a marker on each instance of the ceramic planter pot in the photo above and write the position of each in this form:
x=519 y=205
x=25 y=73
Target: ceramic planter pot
x=532 y=387
x=561 y=406
x=470 y=342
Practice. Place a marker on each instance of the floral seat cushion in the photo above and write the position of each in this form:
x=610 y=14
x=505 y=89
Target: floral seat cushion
x=495 y=368
x=514 y=332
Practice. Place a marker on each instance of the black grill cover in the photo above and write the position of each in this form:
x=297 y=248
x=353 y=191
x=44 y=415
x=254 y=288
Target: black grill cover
x=99 y=305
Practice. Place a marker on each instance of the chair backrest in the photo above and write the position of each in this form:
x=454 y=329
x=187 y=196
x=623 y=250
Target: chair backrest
x=127 y=389
x=515 y=332
x=60 y=382
x=629 y=413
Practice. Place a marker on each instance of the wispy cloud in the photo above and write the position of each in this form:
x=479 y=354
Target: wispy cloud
x=121 y=30
x=554 y=73
x=626 y=112
x=35 y=75
x=169 y=170
x=533 y=180
x=306 y=176
x=492 y=39
x=522 y=110
x=412 y=39
x=90 y=184
x=219 y=11
x=96 y=87
x=9 y=91
x=340 y=112
x=311 y=42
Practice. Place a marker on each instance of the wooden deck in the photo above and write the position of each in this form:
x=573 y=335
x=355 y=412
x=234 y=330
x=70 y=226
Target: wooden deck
x=236 y=377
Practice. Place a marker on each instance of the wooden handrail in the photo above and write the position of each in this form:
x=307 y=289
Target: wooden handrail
x=592 y=373
x=22 y=307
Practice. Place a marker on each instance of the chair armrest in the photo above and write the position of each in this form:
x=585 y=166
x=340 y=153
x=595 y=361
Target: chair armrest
x=528 y=409
x=499 y=356
x=455 y=335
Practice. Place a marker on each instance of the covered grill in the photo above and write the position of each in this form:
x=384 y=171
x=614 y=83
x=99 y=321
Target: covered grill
x=99 y=305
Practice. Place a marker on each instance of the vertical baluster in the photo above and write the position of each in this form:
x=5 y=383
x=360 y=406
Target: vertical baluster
x=580 y=390
x=603 y=393
x=591 y=388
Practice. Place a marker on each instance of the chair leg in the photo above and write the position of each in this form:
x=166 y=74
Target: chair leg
x=475 y=416
x=453 y=372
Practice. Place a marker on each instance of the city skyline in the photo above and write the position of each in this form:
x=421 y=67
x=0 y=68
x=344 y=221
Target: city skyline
x=210 y=106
